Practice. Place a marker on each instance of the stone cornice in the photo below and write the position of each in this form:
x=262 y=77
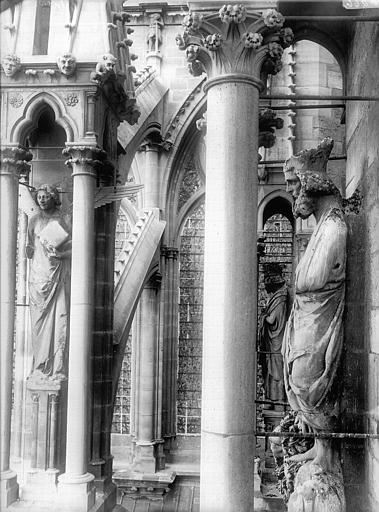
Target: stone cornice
x=234 y=41
x=14 y=160
x=47 y=74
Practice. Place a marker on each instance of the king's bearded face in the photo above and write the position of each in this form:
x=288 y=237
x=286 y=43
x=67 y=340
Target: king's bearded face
x=303 y=206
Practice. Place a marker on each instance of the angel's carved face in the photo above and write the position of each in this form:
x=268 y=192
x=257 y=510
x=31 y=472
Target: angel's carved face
x=45 y=200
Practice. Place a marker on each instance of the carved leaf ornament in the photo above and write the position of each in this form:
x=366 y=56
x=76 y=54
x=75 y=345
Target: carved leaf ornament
x=234 y=40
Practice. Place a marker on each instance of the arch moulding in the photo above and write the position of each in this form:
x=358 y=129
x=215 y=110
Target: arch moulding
x=282 y=194
x=31 y=112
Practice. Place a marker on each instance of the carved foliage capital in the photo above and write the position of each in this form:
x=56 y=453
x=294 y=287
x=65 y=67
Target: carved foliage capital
x=89 y=160
x=14 y=160
x=234 y=40
x=155 y=142
x=170 y=253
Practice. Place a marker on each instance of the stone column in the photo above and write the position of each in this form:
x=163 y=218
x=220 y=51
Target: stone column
x=13 y=163
x=170 y=340
x=153 y=145
x=147 y=370
x=233 y=58
x=152 y=180
x=76 y=488
x=20 y=341
x=145 y=456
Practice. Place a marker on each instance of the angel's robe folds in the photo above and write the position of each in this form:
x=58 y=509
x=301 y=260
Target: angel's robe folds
x=313 y=338
x=49 y=288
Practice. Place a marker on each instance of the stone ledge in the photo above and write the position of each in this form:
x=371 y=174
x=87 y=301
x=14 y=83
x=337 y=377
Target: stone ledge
x=143 y=485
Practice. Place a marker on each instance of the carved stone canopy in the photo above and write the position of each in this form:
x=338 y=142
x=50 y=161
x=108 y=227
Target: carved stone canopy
x=234 y=40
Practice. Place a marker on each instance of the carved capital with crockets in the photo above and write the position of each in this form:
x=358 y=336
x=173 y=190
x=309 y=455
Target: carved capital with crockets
x=234 y=40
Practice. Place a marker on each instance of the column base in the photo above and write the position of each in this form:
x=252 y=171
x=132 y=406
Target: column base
x=40 y=485
x=77 y=493
x=145 y=459
x=8 y=488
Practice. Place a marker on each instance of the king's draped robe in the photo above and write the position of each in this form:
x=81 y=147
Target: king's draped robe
x=313 y=338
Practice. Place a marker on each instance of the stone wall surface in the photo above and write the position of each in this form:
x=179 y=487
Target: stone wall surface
x=362 y=348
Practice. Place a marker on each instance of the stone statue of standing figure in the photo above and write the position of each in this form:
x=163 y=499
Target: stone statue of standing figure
x=49 y=251
x=272 y=323
x=154 y=34
x=313 y=339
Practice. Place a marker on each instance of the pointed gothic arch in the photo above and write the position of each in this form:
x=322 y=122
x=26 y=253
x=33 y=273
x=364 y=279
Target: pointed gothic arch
x=32 y=111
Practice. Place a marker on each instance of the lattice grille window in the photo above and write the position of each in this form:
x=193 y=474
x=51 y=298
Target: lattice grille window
x=121 y=413
x=190 y=324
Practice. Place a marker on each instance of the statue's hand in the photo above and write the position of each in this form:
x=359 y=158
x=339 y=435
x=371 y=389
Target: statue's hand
x=51 y=252
x=56 y=255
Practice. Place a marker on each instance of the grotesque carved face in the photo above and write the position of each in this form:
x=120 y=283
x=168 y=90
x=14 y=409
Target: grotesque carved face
x=192 y=51
x=67 y=64
x=109 y=62
x=11 y=64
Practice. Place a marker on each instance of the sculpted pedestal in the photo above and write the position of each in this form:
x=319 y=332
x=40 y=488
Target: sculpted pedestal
x=46 y=437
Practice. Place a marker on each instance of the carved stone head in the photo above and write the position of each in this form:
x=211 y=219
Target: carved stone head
x=108 y=62
x=154 y=19
x=67 y=64
x=192 y=52
x=309 y=166
x=47 y=197
x=11 y=65
x=306 y=177
x=273 y=276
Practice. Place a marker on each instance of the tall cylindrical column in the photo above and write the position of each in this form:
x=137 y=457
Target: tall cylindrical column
x=170 y=343
x=230 y=295
x=19 y=373
x=152 y=179
x=13 y=162
x=233 y=59
x=76 y=484
x=147 y=365
x=145 y=460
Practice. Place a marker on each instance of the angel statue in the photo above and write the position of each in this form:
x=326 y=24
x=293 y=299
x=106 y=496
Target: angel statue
x=49 y=250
